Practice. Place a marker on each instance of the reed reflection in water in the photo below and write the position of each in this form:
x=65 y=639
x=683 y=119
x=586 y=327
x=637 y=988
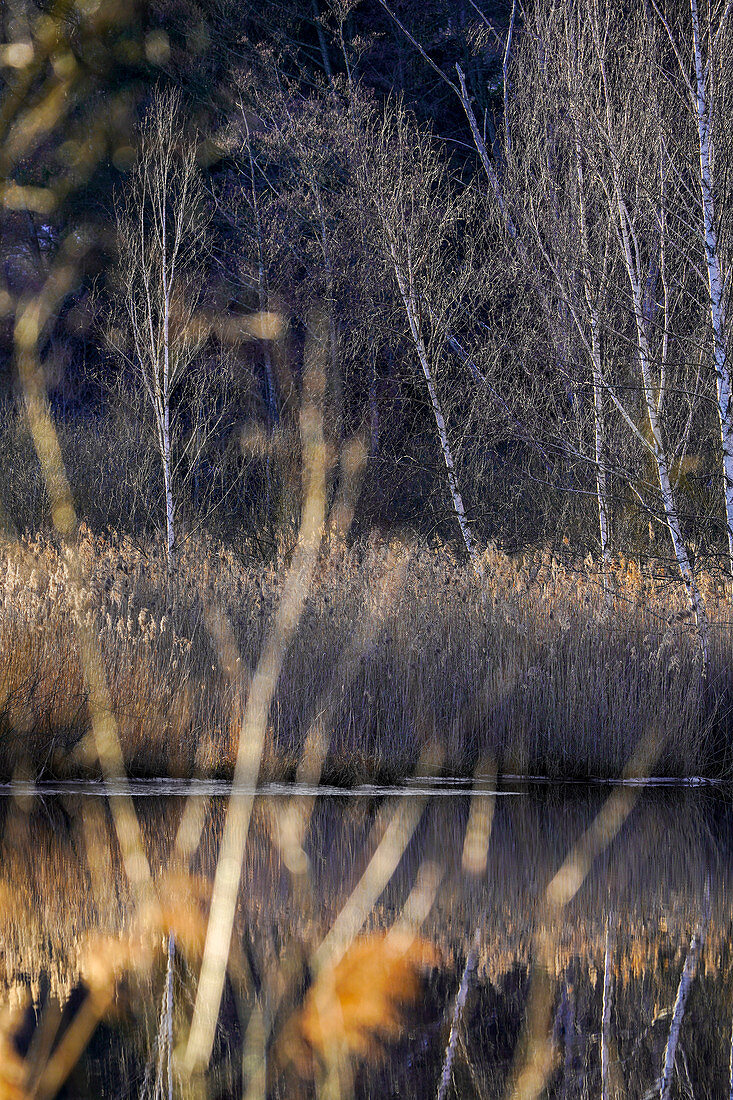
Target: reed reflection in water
x=62 y=889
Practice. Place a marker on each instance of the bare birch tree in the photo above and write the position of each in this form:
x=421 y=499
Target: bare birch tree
x=565 y=229
x=699 y=76
x=498 y=160
x=153 y=328
x=631 y=165
x=592 y=195
x=417 y=220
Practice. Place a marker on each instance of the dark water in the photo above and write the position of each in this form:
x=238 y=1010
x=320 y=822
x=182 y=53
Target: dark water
x=665 y=876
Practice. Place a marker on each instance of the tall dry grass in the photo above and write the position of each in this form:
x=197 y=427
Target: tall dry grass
x=399 y=643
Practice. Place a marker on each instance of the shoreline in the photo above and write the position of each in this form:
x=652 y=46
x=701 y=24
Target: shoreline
x=337 y=784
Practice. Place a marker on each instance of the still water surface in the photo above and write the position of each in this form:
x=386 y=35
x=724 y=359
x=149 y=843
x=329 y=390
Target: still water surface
x=665 y=876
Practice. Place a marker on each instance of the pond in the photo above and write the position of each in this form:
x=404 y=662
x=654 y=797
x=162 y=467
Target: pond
x=575 y=990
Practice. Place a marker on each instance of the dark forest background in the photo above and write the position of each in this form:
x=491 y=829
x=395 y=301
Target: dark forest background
x=455 y=196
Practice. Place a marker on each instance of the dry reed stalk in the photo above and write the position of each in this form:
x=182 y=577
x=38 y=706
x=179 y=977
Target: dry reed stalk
x=32 y=318
x=309 y=539
x=475 y=851
x=252 y=734
x=26 y=125
x=376 y=875
x=30 y=324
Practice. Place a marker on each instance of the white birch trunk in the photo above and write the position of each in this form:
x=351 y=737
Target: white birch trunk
x=601 y=476
x=687 y=978
x=167 y=480
x=597 y=372
x=166 y=413
x=461 y=997
x=606 y=1018
x=654 y=443
x=422 y=354
x=669 y=506
x=162 y=236
x=716 y=281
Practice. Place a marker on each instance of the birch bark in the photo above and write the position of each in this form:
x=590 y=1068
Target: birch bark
x=166 y=277
x=614 y=134
x=651 y=405
x=697 y=87
x=413 y=320
x=415 y=220
x=716 y=281
x=606 y=1016
x=591 y=299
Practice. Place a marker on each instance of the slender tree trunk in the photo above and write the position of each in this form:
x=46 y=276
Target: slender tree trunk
x=597 y=372
x=486 y=162
x=169 y=508
x=606 y=1017
x=373 y=408
x=671 y=518
x=598 y=453
x=322 y=42
x=166 y=410
x=422 y=354
x=686 y=979
x=716 y=281
x=655 y=443
x=460 y=1004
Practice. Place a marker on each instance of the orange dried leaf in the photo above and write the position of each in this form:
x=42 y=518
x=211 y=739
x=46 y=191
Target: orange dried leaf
x=357 y=1006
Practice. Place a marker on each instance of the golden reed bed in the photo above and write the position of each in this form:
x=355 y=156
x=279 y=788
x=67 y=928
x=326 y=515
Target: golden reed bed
x=398 y=644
